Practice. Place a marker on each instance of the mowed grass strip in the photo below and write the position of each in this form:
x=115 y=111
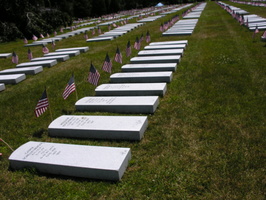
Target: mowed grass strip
x=205 y=141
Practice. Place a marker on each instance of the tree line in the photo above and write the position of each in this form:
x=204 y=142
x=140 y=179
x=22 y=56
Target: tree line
x=22 y=18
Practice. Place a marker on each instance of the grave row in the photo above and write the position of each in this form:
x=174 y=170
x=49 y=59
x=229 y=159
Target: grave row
x=18 y=74
x=126 y=93
x=251 y=21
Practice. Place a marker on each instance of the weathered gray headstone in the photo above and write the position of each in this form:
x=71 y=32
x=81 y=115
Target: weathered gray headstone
x=149 y=67
x=12 y=78
x=155 y=59
x=81 y=49
x=2 y=86
x=99 y=127
x=5 y=55
x=46 y=63
x=93 y=162
x=57 y=58
x=141 y=77
x=127 y=104
x=157 y=47
x=132 y=89
x=69 y=53
x=23 y=70
x=165 y=52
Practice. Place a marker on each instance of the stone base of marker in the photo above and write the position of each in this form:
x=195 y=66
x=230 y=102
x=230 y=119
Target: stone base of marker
x=131 y=89
x=99 y=127
x=114 y=104
x=93 y=162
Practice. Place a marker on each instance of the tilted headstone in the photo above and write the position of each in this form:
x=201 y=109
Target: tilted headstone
x=99 y=127
x=93 y=162
x=127 y=104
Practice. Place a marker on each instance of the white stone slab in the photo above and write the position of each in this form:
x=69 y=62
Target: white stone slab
x=60 y=58
x=149 y=67
x=157 y=47
x=35 y=44
x=161 y=52
x=99 y=39
x=170 y=42
x=5 y=55
x=132 y=104
x=2 y=87
x=177 y=33
x=141 y=77
x=23 y=70
x=12 y=78
x=81 y=49
x=131 y=89
x=45 y=63
x=93 y=162
x=69 y=53
x=155 y=59
x=99 y=127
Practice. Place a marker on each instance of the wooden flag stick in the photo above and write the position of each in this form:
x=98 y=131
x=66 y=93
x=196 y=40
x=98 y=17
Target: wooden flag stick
x=6 y=144
x=49 y=107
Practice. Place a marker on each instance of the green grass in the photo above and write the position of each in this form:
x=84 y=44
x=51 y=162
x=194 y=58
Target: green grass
x=206 y=140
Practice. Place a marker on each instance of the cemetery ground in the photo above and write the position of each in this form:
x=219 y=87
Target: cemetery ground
x=206 y=140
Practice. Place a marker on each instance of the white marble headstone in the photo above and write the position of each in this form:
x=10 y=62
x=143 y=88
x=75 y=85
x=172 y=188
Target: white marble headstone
x=131 y=89
x=23 y=70
x=99 y=127
x=46 y=63
x=2 y=86
x=93 y=162
x=117 y=104
x=149 y=67
x=12 y=78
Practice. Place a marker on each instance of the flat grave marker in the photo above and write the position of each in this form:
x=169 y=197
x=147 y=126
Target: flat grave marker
x=149 y=67
x=157 y=47
x=60 y=58
x=45 y=63
x=132 y=89
x=141 y=77
x=170 y=42
x=81 y=49
x=69 y=53
x=93 y=162
x=99 y=127
x=5 y=55
x=118 y=104
x=155 y=59
x=23 y=70
x=161 y=52
x=12 y=78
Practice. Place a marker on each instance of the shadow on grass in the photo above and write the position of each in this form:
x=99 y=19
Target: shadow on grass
x=39 y=133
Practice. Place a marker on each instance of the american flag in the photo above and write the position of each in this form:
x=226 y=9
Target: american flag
x=53 y=44
x=118 y=56
x=255 y=32
x=41 y=35
x=45 y=49
x=55 y=33
x=114 y=25
x=85 y=36
x=42 y=104
x=70 y=87
x=94 y=75
x=109 y=27
x=61 y=30
x=141 y=38
x=99 y=30
x=93 y=31
x=161 y=28
x=107 y=65
x=34 y=38
x=25 y=41
x=128 y=49
x=137 y=44
x=47 y=35
x=148 y=37
x=264 y=34
x=29 y=54
x=14 y=58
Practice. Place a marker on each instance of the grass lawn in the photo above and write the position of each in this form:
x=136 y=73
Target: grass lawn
x=206 y=140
